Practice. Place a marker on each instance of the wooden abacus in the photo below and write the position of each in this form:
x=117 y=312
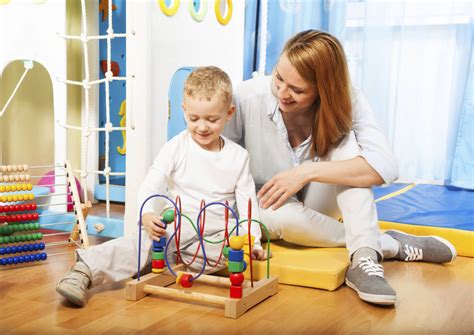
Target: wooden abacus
x=18 y=213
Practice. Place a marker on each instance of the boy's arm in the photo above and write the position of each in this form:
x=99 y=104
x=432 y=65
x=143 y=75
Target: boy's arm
x=245 y=190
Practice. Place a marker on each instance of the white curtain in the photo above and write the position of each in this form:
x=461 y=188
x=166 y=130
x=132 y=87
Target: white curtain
x=411 y=59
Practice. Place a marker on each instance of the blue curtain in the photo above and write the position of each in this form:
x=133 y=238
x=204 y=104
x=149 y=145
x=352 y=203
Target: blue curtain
x=462 y=173
x=285 y=18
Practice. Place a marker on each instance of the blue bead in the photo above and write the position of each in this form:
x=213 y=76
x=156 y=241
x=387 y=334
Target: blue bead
x=8 y=250
x=21 y=259
x=14 y=249
x=41 y=246
x=27 y=258
x=2 y=251
x=44 y=256
x=3 y=261
x=10 y=260
x=161 y=243
x=236 y=255
x=37 y=257
x=15 y=259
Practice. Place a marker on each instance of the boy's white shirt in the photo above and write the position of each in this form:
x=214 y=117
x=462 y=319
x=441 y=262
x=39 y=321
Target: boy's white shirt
x=184 y=168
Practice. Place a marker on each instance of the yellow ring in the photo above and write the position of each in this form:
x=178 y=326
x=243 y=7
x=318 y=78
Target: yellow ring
x=169 y=11
x=223 y=20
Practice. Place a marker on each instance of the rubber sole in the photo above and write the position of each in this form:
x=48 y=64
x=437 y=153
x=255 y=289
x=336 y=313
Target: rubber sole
x=386 y=300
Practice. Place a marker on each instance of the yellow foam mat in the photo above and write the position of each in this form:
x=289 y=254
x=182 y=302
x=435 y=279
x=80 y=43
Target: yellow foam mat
x=462 y=240
x=322 y=268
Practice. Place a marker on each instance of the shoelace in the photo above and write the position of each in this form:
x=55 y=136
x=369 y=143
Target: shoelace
x=413 y=253
x=370 y=267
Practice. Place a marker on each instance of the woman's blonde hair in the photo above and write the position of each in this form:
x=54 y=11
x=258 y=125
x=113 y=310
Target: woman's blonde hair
x=320 y=60
x=205 y=82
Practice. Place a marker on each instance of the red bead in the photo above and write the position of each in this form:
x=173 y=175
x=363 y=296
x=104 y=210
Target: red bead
x=236 y=278
x=35 y=216
x=158 y=264
x=17 y=208
x=7 y=209
x=22 y=207
x=236 y=292
x=1 y=209
x=28 y=207
x=3 y=219
x=29 y=217
x=12 y=218
x=33 y=206
x=186 y=280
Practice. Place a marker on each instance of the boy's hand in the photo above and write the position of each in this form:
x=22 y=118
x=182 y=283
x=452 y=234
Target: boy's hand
x=153 y=226
x=260 y=254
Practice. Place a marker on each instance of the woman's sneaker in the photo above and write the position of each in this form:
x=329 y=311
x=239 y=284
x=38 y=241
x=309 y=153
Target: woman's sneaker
x=74 y=285
x=366 y=277
x=423 y=248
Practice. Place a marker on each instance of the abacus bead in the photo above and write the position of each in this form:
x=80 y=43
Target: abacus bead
x=15 y=259
x=8 y=250
x=14 y=168
x=27 y=177
x=2 y=188
x=14 y=249
x=21 y=259
x=38 y=257
x=17 y=178
x=236 y=242
x=44 y=256
x=31 y=247
x=4 y=168
x=2 y=239
x=3 y=261
x=29 y=187
x=2 y=251
x=35 y=216
x=25 y=167
x=10 y=260
x=236 y=278
x=9 y=168
x=39 y=236
x=41 y=246
x=34 y=206
x=22 y=177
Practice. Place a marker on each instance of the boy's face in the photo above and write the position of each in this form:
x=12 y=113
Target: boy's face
x=206 y=120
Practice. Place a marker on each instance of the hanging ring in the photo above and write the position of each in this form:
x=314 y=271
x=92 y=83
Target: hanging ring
x=223 y=20
x=169 y=11
x=198 y=16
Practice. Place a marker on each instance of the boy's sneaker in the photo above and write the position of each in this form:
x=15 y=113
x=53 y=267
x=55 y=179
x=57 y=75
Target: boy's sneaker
x=423 y=248
x=73 y=286
x=365 y=276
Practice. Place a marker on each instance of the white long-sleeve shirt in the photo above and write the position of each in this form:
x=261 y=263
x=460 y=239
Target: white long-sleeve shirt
x=258 y=126
x=184 y=168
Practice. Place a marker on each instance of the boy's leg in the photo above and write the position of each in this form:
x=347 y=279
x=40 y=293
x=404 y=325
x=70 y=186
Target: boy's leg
x=112 y=261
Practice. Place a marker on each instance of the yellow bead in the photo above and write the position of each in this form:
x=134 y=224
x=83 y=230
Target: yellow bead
x=13 y=188
x=246 y=239
x=2 y=189
x=21 y=197
x=24 y=187
x=8 y=188
x=30 y=187
x=31 y=196
x=15 y=198
x=236 y=242
x=4 y=198
x=10 y=198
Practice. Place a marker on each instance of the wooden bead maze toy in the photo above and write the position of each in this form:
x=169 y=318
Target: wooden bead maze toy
x=24 y=239
x=237 y=249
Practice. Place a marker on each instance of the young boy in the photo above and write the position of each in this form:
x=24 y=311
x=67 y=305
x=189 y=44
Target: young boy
x=197 y=164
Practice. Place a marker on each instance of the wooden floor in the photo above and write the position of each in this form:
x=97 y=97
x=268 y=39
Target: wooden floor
x=431 y=299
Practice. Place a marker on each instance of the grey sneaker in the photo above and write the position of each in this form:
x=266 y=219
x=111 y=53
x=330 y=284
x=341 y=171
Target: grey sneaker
x=365 y=276
x=73 y=286
x=423 y=248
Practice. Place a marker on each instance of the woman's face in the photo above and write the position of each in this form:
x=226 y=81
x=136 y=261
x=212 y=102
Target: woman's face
x=294 y=94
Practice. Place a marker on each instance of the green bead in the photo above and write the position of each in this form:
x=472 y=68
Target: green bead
x=236 y=266
x=39 y=236
x=29 y=237
x=225 y=251
x=158 y=255
x=168 y=216
x=37 y=225
x=24 y=238
x=2 y=240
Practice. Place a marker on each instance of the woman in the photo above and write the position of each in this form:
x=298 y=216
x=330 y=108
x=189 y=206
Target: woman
x=315 y=152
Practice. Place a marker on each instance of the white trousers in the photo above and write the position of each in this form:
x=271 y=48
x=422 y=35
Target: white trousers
x=117 y=260
x=314 y=222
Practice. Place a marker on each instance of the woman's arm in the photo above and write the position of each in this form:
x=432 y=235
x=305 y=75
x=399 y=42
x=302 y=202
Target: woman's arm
x=354 y=172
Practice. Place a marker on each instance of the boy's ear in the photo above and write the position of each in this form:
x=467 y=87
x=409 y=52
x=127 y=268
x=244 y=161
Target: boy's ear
x=231 y=112
x=183 y=106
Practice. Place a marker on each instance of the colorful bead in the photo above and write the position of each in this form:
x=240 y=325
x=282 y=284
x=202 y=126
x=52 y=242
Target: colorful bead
x=186 y=280
x=235 y=266
x=168 y=216
x=236 y=242
x=236 y=292
x=236 y=255
x=237 y=278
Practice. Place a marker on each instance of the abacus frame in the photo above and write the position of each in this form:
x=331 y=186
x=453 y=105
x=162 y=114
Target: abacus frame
x=157 y=284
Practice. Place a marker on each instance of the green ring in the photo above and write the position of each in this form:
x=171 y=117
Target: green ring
x=198 y=16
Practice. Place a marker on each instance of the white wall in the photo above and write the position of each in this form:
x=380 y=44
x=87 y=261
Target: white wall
x=158 y=45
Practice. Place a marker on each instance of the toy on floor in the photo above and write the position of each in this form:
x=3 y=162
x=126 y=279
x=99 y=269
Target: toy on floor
x=21 y=210
x=243 y=294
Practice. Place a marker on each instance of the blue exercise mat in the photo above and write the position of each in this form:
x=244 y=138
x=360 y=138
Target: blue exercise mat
x=428 y=205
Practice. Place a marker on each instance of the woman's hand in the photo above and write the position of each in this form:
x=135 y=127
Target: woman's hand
x=282 y=186
x=260 y=254
x=153 y=226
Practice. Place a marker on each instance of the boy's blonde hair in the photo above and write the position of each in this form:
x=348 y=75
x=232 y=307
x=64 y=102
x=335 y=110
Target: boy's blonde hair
x=206 y=82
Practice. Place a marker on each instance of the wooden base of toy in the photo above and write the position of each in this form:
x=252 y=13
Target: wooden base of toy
x=153 y=283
